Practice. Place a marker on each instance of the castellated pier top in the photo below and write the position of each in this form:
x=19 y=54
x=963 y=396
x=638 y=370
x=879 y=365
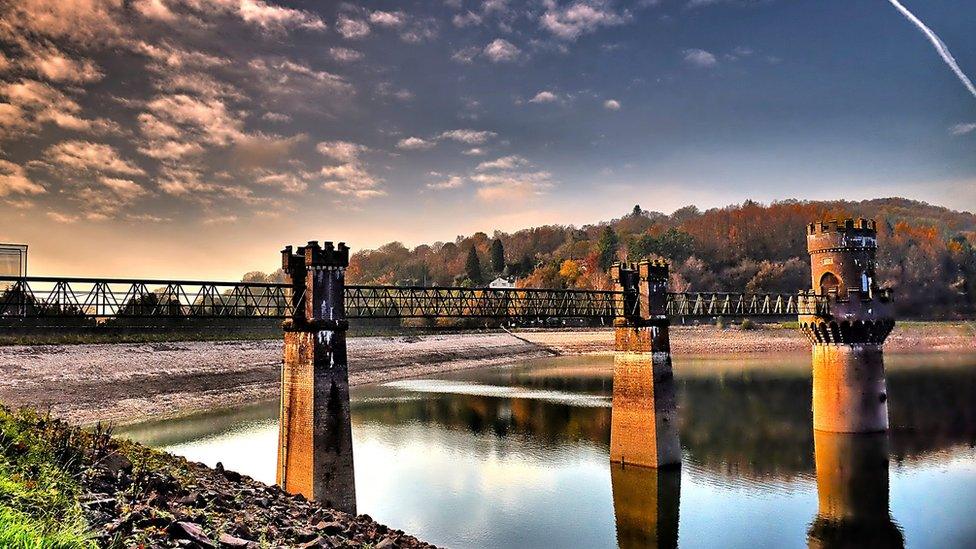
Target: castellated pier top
x=848 y=234
x=313 y=255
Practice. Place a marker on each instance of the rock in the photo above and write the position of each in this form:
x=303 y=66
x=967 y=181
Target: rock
x=227 y=540
x=317 y=542
x=329 y=527
x=115 y=463
x=190 y=531
x=386 y=543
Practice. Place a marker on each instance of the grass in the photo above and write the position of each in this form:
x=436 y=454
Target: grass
x=39 y=466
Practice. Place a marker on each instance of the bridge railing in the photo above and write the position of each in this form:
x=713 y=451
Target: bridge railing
x=731 y=304
x=107 y=298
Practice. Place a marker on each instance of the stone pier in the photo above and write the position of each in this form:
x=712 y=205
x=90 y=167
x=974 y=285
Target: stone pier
x=645 y=506
x=847 y=318
x=643 y=427
x=315 y=435
x=852 y=492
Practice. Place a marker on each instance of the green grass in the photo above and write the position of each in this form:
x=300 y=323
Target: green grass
x=39 y=464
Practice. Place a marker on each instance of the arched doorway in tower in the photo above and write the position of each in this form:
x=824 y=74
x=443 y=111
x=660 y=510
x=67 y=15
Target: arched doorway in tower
x=829 y=282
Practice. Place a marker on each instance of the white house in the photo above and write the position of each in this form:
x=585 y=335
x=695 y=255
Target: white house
x=502 y=282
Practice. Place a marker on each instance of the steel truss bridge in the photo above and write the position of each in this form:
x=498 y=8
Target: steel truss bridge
x=103 y=299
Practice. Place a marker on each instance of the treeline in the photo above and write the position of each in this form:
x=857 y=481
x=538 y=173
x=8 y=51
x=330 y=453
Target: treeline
x=926 y=253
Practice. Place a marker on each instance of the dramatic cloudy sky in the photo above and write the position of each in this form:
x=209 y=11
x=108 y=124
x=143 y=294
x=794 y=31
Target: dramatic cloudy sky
x=194 y=138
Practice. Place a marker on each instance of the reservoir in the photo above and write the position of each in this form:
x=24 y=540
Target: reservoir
x=517 y=456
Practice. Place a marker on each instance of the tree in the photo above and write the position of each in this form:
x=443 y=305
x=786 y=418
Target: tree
x=497 y=255
x=472 y=266
x=607 y=247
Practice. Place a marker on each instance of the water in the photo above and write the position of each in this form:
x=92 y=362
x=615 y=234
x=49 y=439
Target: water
x=518 y=457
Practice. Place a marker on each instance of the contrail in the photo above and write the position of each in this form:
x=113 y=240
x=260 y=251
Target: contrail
x=939 y=46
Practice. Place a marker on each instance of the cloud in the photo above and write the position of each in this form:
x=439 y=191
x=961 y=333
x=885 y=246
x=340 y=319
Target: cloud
x=14 y=180
x=126 y=189
x=544 y=97
x=58 y=217
x=265 y=16
x=190 y=122
x=389 y=19
x=52 y=64
x=286 y=181
x=513 y=186
x=451 y=182
x=469 y=19
x=276 y=117
x=352 y=29
x=962 y=129
x=471 y=137
x=611 y=105
x=571 y=21
x=420 y=31
x=474 y=151
x=466 y=55
x=500 y=50
x=700 y=58
x=415 y=144
x=37 y=104
x=343 y=151
x=351 y=180
x=503 y=163
x=85 y=156
x=345 y=55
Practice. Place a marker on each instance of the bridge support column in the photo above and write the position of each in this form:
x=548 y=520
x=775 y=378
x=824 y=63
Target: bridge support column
x=643 y=426
x=315 y=456
x=847 y=319
x=852 y=492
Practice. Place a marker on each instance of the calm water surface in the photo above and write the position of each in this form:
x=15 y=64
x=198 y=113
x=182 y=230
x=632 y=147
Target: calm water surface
x=518 y=457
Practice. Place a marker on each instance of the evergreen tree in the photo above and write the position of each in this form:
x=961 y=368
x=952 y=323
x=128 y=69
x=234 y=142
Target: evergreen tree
x=472 y=266
x=637 y=211
x=497 y=256
x=607 y=247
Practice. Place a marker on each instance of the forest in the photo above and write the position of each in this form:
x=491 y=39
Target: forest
x=926 y=253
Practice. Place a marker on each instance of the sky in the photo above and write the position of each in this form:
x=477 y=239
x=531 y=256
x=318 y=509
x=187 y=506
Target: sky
x=195 y=138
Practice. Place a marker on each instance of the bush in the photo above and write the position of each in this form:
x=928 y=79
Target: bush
x=748 y=324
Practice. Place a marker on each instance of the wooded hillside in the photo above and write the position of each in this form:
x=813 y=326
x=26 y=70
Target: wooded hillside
x=926 y=253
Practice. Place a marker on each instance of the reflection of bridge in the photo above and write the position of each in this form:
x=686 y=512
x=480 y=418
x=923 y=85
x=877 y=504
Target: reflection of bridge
x=105 y=298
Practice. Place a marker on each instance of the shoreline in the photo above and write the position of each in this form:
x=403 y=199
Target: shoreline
x=132 y=382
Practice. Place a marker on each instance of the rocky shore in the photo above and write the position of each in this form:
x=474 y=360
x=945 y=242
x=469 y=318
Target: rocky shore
x=133 y=496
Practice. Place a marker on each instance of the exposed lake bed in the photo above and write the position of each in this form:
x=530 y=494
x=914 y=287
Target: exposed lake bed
x=126 y=383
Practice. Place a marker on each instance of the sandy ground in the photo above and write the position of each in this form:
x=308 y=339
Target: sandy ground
x=124 y=383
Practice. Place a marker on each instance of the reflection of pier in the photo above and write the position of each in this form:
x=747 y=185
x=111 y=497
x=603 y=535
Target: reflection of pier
x=645 y=506
x=852 y=491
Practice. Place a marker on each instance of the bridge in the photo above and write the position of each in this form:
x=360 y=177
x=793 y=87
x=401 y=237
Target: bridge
x=101 y=299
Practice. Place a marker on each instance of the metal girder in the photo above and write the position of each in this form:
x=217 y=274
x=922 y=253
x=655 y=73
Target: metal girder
x=132 y=298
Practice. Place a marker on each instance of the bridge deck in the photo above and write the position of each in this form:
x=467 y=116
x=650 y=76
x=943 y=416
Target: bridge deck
x=106 y=298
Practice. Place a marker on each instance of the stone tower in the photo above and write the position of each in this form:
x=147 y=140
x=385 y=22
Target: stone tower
x=847 y=319
x=643 y=425
x=315 y=435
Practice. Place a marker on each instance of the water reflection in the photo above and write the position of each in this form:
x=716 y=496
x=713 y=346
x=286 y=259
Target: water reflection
x=645 y=505
x=852 y=493
x=518 y=457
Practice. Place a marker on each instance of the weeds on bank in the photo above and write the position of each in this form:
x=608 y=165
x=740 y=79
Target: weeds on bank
x=40 y=463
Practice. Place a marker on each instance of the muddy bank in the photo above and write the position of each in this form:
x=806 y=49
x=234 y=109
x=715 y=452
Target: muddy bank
x=129 y=382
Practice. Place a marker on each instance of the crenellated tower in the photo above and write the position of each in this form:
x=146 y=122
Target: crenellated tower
x=315 y=433
x=847 y=318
